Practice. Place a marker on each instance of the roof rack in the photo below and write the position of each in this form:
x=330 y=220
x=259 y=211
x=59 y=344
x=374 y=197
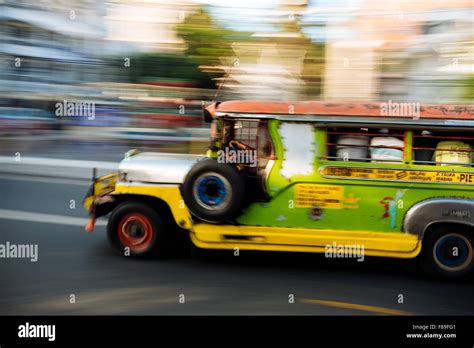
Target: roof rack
x=369 y=109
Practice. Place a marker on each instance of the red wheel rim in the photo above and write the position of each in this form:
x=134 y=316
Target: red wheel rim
x=135 y=231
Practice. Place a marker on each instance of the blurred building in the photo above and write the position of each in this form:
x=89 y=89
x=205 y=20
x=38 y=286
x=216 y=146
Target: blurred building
x=440 y=57
x=267 y=71
x=318 y=49
x=45 y=45
x=273 y=65
x=352 y=70
x=147 y=26
x=406 y=50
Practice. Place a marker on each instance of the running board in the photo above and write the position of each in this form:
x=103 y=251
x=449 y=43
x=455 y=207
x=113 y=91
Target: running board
x=389 y=244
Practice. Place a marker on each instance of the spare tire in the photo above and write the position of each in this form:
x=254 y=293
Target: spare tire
x=213 y=191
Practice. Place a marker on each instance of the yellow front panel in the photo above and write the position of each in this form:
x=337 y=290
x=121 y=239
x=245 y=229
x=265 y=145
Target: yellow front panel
x=170 y=194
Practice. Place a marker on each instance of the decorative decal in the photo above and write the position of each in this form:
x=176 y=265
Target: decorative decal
x=316 y=213
x=448 y=177
x=323 y=196
x=351 y=202
x=390 y=207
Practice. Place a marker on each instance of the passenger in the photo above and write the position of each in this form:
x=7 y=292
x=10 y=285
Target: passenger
x=352 y=147
x=392 y=153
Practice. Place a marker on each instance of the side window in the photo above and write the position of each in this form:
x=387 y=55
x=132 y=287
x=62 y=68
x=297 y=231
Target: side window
x=245 y=132
x=365 y=145
x=242 y=131
x=250 y=136
x=443 y=148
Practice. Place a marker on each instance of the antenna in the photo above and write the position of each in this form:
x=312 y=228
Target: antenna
x=206 y=113
x=222 y=83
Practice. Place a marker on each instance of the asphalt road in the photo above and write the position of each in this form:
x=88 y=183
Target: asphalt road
x=72 y=262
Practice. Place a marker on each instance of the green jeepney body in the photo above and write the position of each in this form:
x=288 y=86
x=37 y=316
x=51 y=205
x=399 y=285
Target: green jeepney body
x=308 y=189
x=354 y=195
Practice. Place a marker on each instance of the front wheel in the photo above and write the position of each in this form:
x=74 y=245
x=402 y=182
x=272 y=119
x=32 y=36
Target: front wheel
x=448 y=252
x=135 y=229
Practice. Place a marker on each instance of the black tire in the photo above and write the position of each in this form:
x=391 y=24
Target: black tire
x=212 y=191
x=448 y=252
x=136 y=229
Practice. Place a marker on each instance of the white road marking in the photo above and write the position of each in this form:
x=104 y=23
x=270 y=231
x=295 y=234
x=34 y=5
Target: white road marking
x=46 y=218
x=68 y=163
x=20 y=177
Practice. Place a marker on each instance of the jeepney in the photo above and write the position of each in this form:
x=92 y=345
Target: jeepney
x=306 y=177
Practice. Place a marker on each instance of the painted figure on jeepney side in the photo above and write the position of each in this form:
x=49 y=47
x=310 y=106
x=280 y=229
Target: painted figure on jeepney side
x=390 y=205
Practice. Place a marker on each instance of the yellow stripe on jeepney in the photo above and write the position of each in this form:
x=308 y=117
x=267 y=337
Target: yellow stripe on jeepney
x=209 y=236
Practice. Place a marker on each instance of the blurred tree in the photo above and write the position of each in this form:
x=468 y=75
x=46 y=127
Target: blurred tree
x=160 y=68
x=313 y=69
x=314 y=61
x=207 y=42
x=469 y=88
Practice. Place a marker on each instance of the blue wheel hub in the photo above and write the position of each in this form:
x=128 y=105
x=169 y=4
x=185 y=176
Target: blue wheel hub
x=452 y=251
x=211 y=190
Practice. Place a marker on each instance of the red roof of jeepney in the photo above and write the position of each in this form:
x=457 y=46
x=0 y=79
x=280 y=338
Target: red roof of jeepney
x=380 y=109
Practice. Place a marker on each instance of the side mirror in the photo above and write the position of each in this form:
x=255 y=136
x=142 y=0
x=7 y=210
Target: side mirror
x=209 y=112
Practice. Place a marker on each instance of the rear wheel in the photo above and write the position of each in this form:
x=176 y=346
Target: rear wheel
x=135 y=229
x=448 y=251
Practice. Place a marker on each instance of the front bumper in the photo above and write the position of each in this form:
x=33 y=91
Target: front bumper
x=99 y=199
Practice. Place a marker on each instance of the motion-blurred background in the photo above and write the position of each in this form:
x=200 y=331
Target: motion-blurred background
x=147 y=66
x=140 y=71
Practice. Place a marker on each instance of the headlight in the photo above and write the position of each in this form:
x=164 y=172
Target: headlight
x=131 y=153
x=122 y=176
